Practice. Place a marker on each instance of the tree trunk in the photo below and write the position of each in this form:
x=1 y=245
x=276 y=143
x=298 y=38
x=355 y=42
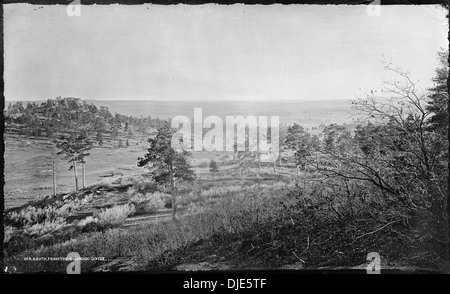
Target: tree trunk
x=259 y=161
x=174 y=195
x=83 y=175
x=274 y=165
x=54 y=171
x=174 y=205
x=298 y=170
x=76 y=175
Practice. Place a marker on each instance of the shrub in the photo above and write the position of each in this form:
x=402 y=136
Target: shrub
x=107 y=182
x=45 y=227
x=130 y=179
x=138 y=201
x=8 y=231
x=156 y=201
x=203 y=164
x=31 y=215
x=143 y=186
x=195 y=208
x=89 y=224
x=114 y=216
x=150 y=202
x=72 y=205
x=86 y=221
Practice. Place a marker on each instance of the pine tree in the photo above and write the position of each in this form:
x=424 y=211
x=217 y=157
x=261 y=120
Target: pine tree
x=282 y=138
x=76 y=148
x=438 y=98
x=213 y=167
x=130 y=133
x=298 y=140
x=168 y=167
x=99 y=137
x=439 y=121
x=54 y=171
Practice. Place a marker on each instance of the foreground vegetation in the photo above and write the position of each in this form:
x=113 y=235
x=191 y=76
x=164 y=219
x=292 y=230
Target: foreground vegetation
x=256 y=226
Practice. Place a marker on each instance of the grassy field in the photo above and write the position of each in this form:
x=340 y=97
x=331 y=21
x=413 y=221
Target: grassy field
x=28 y=175
x=28 y=167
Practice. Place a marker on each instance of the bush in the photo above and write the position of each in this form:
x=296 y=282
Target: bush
x=150 y=202
x=203 y=164
x=86 y=221
x=166 y=198
x=72 y=205
x=109 y=182
x=115 y=216
x=155 y=202
x=8 y=231
x=143 y=186
x=45 y=227
x=89 y=224
x=31 y=215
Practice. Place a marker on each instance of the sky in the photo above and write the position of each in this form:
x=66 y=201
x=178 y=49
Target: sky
x=214 y=52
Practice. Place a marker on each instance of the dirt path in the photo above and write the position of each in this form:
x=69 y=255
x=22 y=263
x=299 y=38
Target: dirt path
x=160 y=216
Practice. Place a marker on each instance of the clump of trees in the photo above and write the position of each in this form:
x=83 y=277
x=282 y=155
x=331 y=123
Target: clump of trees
x=399 y=154
x=75 y=148
x=392 y=166
x=302 y=143
x=63 y=115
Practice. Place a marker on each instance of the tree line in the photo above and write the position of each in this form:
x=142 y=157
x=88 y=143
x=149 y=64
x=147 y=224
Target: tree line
x=74 y=115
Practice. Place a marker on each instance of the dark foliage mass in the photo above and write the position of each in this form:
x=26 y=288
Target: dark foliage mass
x=73 y=115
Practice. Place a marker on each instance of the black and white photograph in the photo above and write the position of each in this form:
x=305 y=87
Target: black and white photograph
x=225 y=138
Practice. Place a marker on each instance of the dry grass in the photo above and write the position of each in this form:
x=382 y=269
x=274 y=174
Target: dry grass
x=232 y=214
x=22 y=170
x=265 y=223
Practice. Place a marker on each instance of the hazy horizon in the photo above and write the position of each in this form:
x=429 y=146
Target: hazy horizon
x=305 y=112
x=172 y=101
